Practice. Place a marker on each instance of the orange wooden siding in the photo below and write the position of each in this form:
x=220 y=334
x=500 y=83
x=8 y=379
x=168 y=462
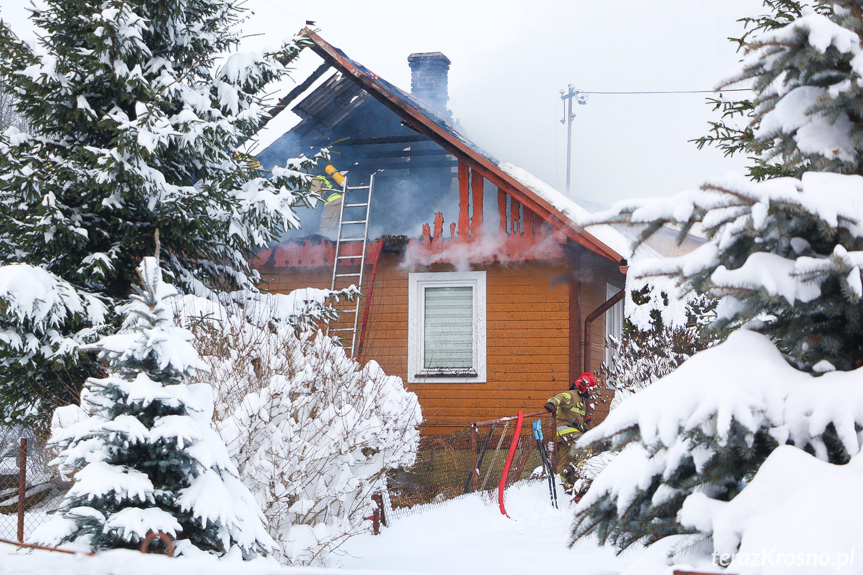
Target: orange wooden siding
x=527 y=333
x=527 y=349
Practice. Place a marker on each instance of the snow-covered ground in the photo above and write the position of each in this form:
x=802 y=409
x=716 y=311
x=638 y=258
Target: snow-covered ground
x=470 y=535
x=467 y=535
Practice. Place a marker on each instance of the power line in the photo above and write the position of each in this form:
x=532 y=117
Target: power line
x=671 y=92
x=277 y=7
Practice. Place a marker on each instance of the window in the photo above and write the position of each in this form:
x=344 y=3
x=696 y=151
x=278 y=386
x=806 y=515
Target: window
x=446 y=327
x=613 y=320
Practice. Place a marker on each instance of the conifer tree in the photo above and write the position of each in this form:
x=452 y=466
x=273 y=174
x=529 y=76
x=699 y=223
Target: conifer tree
x=805 y=87
x=135 y=111
x=148 y=459
x=784 y=258
x=807 y=114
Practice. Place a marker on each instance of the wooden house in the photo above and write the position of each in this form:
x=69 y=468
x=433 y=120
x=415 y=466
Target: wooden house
x=480 y=290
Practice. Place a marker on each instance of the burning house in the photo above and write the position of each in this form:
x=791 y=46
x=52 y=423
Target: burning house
x=479 y=289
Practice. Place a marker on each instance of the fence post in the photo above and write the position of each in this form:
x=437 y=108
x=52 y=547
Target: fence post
x=376 y=521
x=22 y=487
x=475 y=472
x=378 y=498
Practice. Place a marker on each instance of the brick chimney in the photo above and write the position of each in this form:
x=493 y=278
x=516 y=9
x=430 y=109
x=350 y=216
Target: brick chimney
x=429 y=71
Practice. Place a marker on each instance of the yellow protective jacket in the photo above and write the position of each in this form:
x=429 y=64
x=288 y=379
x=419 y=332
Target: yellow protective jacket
x=570 y=409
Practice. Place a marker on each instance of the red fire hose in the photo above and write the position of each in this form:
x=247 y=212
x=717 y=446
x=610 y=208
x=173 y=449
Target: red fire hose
x=502 y=485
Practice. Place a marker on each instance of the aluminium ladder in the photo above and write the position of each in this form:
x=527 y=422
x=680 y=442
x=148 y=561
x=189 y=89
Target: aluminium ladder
x=346 y=267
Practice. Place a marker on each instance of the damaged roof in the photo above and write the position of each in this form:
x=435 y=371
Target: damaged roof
x=549 y=204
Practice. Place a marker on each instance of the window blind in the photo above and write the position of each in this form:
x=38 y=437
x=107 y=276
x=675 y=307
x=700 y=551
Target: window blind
x=448 y=328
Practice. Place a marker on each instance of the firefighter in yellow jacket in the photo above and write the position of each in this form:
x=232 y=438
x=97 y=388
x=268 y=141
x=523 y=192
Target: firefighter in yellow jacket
x=572 y=418
x=332 y=197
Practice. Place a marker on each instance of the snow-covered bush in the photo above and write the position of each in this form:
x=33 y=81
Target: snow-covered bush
x=659 y=334
x=148 y=458
x=312 y=432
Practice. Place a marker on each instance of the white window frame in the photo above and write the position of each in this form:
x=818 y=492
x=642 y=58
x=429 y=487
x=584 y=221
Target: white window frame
x=613 y=319
x=417 y=283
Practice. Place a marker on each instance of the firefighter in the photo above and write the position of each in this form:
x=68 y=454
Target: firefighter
x=332 y=198
x=572 y=420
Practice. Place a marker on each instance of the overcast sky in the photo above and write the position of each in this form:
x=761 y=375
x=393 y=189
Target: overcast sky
x=511 y=58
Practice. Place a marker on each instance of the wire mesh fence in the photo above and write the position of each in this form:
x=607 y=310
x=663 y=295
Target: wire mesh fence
x=30 y=488
x=469 y=461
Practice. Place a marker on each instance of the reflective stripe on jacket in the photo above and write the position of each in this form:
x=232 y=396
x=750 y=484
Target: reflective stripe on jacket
x=332 y=193
x=570 y=409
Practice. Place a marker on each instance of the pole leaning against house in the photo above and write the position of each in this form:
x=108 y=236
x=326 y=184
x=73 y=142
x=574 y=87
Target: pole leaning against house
x=22 y=487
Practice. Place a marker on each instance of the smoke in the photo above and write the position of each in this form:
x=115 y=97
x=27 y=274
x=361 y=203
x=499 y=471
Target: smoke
x=402 y=203
x=487 y=247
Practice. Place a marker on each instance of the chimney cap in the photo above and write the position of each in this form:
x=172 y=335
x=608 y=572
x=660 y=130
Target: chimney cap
x=429 y=56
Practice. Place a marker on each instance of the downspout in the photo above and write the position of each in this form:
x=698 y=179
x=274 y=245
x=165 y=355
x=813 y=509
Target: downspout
x=604 y=307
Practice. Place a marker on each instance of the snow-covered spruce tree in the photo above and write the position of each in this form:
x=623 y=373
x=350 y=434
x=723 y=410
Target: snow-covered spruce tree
x=802 y=219
x=808 y=109
x=312 y=432
x=734 y=132
x=133 y=126
x=147 y=458
x=43 y=319
x=784 y=257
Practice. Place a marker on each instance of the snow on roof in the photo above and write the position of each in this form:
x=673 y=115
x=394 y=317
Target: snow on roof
x=576 y=213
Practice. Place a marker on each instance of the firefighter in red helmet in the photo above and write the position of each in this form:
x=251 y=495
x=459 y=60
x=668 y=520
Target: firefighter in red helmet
x=572 y=420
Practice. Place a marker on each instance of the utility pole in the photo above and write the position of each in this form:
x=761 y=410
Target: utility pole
x=568 y=96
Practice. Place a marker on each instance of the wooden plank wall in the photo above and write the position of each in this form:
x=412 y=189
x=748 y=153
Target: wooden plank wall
x=527 y=335
x=285 y=280
x=527 y=343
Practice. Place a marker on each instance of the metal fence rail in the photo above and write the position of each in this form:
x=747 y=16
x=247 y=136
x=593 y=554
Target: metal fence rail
x=30 y=489
x=447 y=467
x=469 y=461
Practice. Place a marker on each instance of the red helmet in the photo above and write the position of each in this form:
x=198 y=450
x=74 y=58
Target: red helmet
x=584 y=382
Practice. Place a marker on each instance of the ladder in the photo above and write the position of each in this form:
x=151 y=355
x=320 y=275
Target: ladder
x=348 y=269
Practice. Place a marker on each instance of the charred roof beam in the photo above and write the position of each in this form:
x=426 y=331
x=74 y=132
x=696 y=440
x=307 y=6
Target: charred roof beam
x=381 y=140
x=293 y=94
x=368 y=154
x=400 y=164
